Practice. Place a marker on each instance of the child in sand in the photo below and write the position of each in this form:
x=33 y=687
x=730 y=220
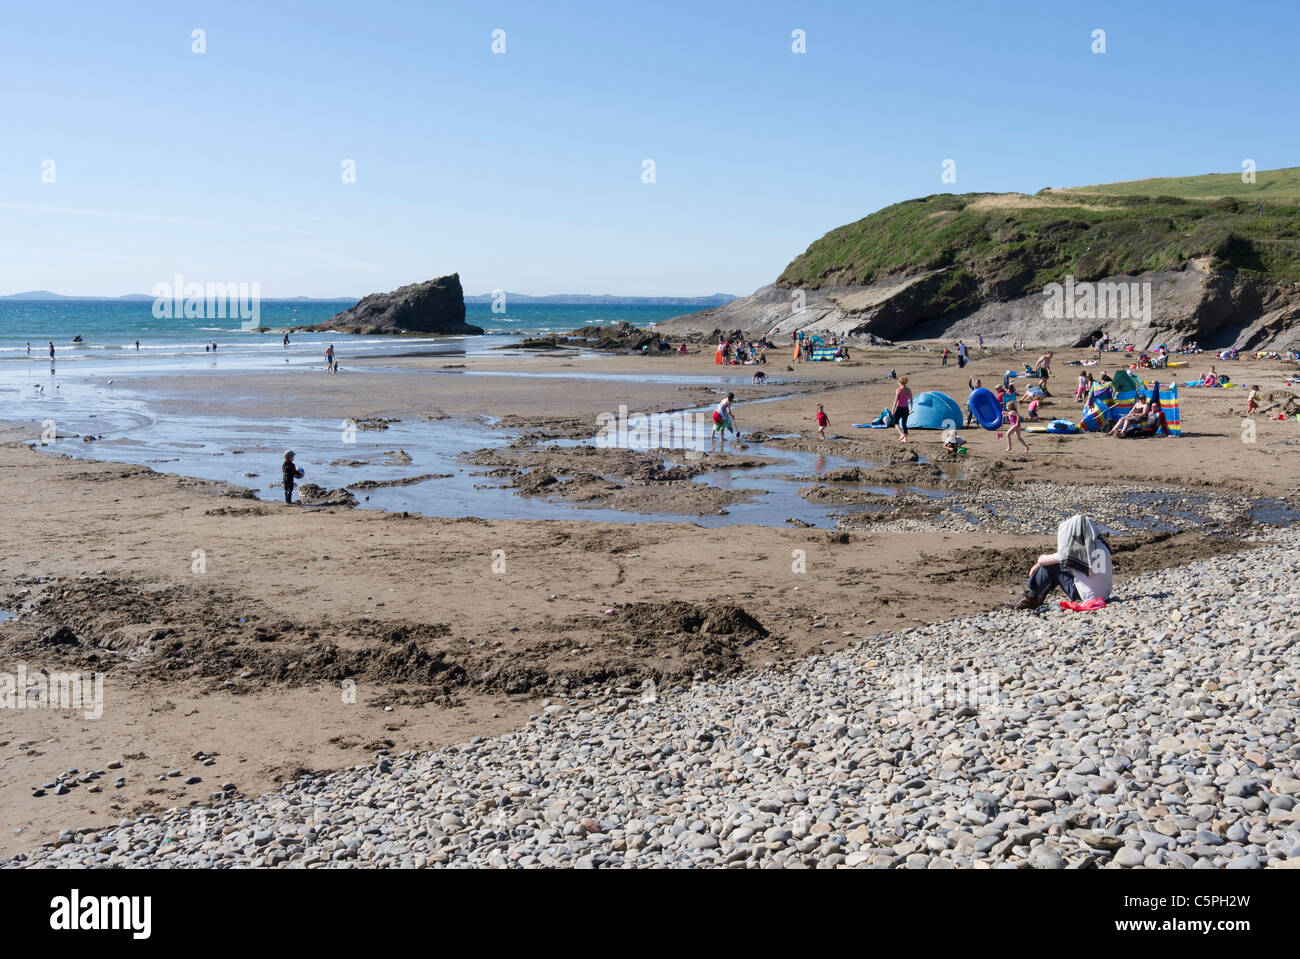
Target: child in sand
x=823 y=421
x=1034 y=403
x=1252 y=401
x=974 y=385
x=1014 y=427
x=291 y=474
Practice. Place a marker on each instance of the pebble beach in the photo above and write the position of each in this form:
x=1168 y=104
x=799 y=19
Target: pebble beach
x=1157 y=732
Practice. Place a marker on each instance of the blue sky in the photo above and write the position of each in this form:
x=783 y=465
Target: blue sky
x=523 y=170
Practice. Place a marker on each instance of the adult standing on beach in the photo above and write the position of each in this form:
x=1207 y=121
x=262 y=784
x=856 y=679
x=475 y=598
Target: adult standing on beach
x=329 y=358
x=1045 y=371
x=286 y=339
x=961 y=354
x=51 y=349
x=902 y=406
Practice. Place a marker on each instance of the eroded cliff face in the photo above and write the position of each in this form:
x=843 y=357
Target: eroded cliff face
x=1213 y=307
x=434 y=307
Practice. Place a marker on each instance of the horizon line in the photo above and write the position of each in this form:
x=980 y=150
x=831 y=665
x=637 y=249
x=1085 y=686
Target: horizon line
x=48 y=295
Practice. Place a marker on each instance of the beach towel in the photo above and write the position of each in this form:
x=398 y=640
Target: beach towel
x=1086 y=607
x=1063 y=427
x=886 y=418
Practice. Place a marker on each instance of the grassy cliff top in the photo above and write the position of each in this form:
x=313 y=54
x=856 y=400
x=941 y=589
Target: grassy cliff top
x=1000 y=245
x=1280 y=186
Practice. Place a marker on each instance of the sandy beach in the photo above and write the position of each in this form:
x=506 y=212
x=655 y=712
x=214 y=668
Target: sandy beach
x=310 y=639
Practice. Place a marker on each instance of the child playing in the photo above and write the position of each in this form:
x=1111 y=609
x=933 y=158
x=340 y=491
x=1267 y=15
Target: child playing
x=291 y=473
x=1034 y=402
x=723 y=420
x=823 y=421
x=1013 y=427
x=974 y=385
x=1252 y=401
x=1081 y=388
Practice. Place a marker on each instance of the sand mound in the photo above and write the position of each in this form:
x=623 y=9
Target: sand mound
x=689 y=618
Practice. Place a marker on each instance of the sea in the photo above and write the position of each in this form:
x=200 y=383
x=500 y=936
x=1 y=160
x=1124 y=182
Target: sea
x=109 y=330
x=99 y=399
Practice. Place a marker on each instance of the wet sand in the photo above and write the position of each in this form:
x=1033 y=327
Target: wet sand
x=452 y=628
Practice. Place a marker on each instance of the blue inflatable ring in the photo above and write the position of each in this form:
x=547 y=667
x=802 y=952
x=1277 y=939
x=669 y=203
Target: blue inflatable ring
x=984 y=407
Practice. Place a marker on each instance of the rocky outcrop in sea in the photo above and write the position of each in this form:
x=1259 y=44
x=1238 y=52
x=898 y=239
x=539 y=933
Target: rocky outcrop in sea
x=436 y=306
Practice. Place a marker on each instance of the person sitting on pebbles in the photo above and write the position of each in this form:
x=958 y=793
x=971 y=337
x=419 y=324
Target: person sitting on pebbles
x=1081 y=566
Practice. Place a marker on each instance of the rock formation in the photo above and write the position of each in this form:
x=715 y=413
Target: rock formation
x=1214 y=307
x=1057 y=268
x=437 y=307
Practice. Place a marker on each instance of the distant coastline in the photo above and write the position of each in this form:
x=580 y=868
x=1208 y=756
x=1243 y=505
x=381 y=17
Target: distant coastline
x=606 y=299
x=558 y=299
x=45 y=296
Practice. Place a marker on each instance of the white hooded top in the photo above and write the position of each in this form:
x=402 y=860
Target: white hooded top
x=1081 y=550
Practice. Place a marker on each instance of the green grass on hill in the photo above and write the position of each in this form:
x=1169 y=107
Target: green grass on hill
x=997 y=246
x=1276 y=185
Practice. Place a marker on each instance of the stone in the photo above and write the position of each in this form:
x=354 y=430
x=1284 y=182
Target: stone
x=1129 y=856
x=433 y=307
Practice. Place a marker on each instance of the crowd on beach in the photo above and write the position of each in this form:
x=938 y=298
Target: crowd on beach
x=740 y=352
x=1147 y=416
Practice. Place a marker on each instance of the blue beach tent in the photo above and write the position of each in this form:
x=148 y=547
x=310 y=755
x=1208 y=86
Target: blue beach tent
x=935 y=411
